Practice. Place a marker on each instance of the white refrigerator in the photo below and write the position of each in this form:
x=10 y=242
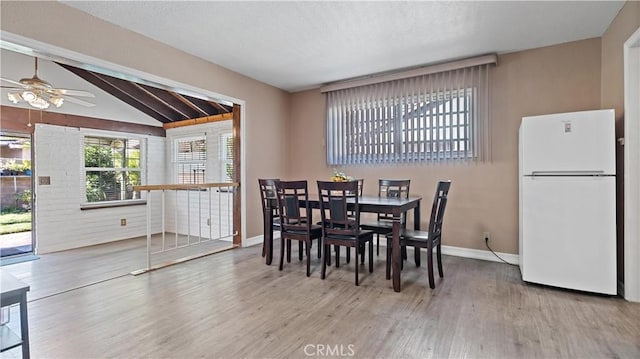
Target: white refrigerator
x=568 y=200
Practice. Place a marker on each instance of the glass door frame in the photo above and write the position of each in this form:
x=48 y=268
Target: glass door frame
x=30 y=136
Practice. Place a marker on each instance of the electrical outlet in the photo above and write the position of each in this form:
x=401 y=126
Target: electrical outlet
x=123 y=222
x=486 y=236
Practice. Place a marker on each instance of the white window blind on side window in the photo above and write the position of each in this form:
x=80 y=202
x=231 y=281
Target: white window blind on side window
x=191 y=160
x=432 y=118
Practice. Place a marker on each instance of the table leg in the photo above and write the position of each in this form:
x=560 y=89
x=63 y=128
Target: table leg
x=396 y=255
x=268 y=236
x=416 y=226
x=24 y=327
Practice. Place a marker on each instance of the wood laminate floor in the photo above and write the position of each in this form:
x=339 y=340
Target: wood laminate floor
x=231 y=305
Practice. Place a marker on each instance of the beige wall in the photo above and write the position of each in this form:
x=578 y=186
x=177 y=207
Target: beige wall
x=483 y=197
x=612 y=96
x=266 y=107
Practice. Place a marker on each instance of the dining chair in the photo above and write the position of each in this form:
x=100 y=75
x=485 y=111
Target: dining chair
x=384 y=223
x=269 y=207
x=296 y=218
x=431 y=238
x=337 y=249
x=341 y=222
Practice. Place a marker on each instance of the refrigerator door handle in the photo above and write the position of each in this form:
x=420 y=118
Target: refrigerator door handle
x=567 y=173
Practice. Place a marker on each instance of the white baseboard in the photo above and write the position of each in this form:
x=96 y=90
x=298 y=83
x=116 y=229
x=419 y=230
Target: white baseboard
x=476 y=254
x=447 y=250
x=259 y=239
x=480 y=254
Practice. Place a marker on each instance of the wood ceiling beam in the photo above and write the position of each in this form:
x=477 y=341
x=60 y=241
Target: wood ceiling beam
x=199 y=121
x=184 y=100
x=120 y=94
x=161 y=101
x=168 y=97
x=17 y=119
x=206 y=106
x=137 y=98
x=219 y=107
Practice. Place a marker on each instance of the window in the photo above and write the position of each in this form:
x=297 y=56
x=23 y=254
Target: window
x=112 y=167
x=190 y=160
x=226 y=157
x=430 y=118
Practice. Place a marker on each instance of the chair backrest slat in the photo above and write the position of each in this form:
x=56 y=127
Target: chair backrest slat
x=267 y=191
x=393 y=189
x=437 y=210
x=293 y=205
x=339 y=208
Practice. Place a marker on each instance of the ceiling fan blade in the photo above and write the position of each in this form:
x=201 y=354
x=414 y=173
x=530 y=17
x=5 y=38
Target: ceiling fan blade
x=12 y=82
x=78 y=101
x=11 y=87
x=71 y=92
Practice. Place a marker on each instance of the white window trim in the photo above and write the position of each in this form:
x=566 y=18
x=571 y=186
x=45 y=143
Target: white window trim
x=174 y=154
x=83 y=177
x=223 y=158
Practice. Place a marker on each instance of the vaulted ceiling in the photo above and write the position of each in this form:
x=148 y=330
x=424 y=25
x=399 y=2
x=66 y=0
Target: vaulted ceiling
x=115 y=98
x=162 y=105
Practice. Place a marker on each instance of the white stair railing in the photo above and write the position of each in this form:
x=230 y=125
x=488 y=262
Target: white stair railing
x=197 y=215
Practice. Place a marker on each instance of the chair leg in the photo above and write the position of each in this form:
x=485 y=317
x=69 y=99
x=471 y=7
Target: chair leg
x=282 y=240
x=371 y=256
x=377 y=245
x=327 y=249
x=388 y=271
x=264 y=241
x=362 y=250
x=416 y=255
x=326 y=254
x=404 y=252
x=349 y=255
x=432 y=284
x=319 y=249
x=356 y=261
x=288 y=251
x=439 y=257
x=308 y=245
x=299 y=250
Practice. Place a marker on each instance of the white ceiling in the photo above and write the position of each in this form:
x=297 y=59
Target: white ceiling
x=15 y=66
x=301 y=45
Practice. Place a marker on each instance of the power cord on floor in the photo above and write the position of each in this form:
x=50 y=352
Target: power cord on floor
x=486 y=241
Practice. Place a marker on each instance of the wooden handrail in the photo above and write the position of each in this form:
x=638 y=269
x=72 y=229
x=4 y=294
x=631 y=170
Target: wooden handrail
x=159 y=187
x=198 y=121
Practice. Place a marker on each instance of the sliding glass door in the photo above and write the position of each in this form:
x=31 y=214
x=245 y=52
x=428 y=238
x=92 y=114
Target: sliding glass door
x=16 y=200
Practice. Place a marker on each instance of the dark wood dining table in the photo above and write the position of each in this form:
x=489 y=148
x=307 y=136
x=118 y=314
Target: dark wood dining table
x=368 y=204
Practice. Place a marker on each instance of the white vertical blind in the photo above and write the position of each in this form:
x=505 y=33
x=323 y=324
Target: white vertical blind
x=436 y=117
x=191 y=159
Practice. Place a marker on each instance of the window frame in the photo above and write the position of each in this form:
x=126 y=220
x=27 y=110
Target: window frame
x=141 y=169
x=427 y=119
x=204 y=162
x=224 y=160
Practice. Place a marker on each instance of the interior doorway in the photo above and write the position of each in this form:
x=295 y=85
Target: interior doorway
x=16 y=189
x=632 y=168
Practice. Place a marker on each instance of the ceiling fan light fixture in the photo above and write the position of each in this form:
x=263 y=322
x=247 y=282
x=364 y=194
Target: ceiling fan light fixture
x=14 y=97
x=40 y=94
x=39 y=103
x=56 y=101
x=29 y=96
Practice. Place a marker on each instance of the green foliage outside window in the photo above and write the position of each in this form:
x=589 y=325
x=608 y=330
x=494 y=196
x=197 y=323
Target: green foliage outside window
x=112 y=168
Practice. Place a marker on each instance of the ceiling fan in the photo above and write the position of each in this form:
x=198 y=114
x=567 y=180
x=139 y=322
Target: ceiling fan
x=40 y=94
